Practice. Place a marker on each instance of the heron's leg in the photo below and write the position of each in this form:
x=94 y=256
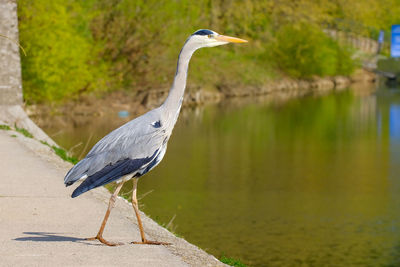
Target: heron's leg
x=136 y=209
x=111 y=203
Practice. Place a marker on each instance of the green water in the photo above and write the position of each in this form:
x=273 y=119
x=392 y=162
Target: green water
x=305 y=182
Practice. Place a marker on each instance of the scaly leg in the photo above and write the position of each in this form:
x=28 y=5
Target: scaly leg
x=99 y=235
x=136 y=209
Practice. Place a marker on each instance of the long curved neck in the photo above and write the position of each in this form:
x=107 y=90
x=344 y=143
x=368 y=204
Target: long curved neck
x=173 y=103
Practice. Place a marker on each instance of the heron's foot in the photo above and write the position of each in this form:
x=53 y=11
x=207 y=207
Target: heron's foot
x=105 y=242
x=149 y=242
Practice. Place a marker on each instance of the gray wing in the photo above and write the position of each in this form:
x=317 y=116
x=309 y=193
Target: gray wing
x=133 y=145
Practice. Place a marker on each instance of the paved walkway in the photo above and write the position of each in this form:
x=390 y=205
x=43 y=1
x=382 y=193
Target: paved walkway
x=40 y=224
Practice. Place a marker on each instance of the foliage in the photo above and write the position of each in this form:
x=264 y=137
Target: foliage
x=304 y=50
x=232 y=261
x=127 y=26
x=77 y=47
x=366 y=17
x=142 y=42
x=61 y=56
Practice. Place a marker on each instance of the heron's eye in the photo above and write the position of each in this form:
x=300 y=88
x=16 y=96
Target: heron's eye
x=209 y=36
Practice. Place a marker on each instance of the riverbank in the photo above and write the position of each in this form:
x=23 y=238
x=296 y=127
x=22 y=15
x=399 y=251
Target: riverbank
x=40 y=224
x=81 y=111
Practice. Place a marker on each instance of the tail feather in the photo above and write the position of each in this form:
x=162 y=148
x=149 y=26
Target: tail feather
x=112 y=172
x=76 y=172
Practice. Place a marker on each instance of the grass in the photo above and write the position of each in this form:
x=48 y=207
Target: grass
x=23 y=131
x=232 y=261
x=61 y=153
x=4 y=127
x=169 y=226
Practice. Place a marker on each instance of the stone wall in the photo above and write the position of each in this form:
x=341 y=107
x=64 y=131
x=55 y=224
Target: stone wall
x=10 y=65
x=364 y=44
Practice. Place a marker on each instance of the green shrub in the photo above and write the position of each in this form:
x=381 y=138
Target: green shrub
x=304 y=50
x=61 y=56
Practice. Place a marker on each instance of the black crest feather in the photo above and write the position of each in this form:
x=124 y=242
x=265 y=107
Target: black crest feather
x=203 y=32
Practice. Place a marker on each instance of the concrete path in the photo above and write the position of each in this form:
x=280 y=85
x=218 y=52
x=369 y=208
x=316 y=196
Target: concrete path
x=40 y=224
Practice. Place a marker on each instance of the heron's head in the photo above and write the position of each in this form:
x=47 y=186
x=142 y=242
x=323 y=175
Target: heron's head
x=208 y=38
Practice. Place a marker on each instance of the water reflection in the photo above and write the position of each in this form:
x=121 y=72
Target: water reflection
x=310 y=181
x=394 y=118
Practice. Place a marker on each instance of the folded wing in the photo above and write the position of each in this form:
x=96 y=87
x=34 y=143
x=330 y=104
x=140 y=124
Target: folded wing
x=125 y=150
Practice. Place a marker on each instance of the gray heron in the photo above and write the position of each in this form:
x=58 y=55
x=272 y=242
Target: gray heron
x=136 y=147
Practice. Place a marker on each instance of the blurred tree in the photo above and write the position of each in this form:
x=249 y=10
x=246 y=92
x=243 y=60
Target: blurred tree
x=62 y=58
x=99 y=45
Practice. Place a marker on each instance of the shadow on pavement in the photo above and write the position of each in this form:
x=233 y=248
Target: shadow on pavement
x=50 y=237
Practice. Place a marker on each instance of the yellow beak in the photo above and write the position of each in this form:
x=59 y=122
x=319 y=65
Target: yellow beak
x=224 y=38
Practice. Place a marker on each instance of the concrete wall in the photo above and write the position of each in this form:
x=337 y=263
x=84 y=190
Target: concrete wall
x=10 y=65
